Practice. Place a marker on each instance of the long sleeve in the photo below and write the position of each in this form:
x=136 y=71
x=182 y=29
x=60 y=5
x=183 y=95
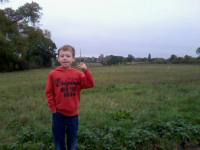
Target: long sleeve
x=50 y=95
x=87 y=80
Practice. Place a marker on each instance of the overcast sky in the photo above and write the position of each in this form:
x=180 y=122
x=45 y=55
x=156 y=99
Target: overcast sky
x=122 y=27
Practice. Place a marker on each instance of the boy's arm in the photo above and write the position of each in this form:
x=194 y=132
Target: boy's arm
x=87 y=80
x=50 y=96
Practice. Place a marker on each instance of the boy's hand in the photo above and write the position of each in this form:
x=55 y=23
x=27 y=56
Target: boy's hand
x=82 y=66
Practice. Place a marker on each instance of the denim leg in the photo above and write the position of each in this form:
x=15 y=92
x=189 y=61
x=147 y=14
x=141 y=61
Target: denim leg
x=72 y=128
x=58 y=128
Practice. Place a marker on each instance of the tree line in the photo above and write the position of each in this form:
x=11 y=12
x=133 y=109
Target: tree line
x=113 y=60
x=23 y=45
x=117 y=60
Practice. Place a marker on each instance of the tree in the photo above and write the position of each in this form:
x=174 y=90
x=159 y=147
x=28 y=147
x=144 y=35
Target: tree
x=93 y=60
x=172 y=58
x=197 y=60
x=112 y=60
x=47 y=34
x=130 y=58
x=4 y=1
x=198 y=51
x=87 y=59
x=158 y=61
x=149 y=57
x=178 y=60
x=120 y=59
x=29 y=12
x=124 y=60
x=12 y=44
x=21 y=43
x=41 y=48
x=143 y=59
x=188 y=59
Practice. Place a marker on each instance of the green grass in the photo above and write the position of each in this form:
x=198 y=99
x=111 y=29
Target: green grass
x=93 y=64
x=130 y=107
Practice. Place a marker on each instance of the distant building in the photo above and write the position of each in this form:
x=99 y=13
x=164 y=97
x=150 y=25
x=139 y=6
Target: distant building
x=100 y=58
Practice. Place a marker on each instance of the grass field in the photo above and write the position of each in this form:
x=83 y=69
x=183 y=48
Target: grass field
x=130 y=107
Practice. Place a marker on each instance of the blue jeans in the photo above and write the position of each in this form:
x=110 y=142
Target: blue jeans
x=65 y=125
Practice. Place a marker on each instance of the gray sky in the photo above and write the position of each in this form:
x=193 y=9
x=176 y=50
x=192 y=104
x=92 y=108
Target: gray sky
x=122 y=27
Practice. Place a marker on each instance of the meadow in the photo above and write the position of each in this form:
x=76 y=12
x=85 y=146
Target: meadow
x=155 y=107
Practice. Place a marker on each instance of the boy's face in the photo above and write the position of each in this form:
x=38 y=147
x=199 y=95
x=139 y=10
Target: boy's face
x=65 y=59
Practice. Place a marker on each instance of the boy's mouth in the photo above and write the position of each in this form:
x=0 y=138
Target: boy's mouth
x=65 y=63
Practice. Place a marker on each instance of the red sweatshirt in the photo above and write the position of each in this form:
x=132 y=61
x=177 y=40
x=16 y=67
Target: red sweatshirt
x=63 y=89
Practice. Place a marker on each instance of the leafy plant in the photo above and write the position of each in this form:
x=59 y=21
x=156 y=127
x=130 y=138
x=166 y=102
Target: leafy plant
x=121 y=114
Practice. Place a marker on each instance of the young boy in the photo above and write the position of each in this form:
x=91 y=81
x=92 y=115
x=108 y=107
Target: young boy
x=63 y=89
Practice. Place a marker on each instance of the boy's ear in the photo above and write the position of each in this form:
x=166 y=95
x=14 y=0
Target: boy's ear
x=57 y=58
x=74 y=58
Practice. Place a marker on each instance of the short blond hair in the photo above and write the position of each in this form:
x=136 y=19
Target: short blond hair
x=67 y=48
